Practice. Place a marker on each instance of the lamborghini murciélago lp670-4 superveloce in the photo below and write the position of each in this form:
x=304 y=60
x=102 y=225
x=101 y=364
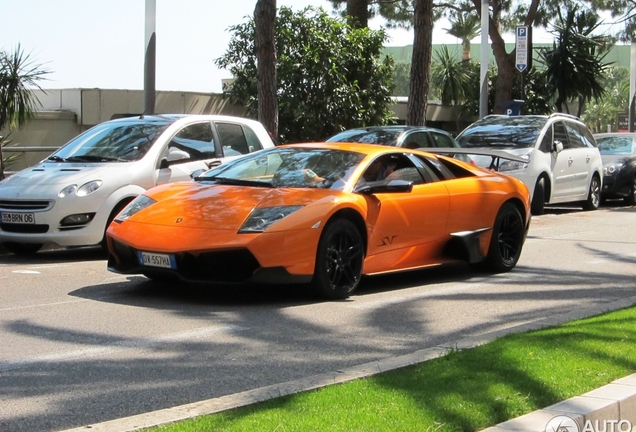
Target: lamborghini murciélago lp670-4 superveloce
x=324 y=214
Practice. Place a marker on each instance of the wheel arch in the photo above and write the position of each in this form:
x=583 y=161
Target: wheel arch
x=356 y=218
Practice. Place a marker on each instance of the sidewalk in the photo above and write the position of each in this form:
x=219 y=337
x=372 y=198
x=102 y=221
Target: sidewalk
x=614 y=402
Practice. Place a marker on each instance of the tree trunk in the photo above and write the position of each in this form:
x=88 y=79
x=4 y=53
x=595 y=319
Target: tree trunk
x=265 y=48
x=359 y=11
x=506 y=68
x=420 y=63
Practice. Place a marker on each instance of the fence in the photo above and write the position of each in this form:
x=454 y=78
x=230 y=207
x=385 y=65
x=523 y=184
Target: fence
x=40 y=152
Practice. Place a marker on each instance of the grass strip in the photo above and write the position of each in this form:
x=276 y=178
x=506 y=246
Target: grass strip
x=466 y=390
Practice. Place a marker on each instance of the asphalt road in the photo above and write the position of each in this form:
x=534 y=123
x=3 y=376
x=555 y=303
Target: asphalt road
x=82 y=345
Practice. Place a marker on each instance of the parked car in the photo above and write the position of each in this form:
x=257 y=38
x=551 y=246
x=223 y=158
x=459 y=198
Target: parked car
x=322 y=213
x=563 y=161
x=414 y=137
x=69 y=198
x=618 y=150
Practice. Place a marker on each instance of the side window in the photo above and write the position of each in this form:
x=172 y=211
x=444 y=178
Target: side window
x=392 y=167
x=547 y=140
x=442 y=140
x=560 y=134
x=195 y=140
x=575 y=140
x=232 y=139
x=253 y=143
x=586 y=136
x=438 y=169
x=416 y=140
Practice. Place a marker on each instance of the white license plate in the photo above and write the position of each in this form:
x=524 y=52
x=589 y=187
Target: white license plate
x=18 y=218
x=157 y=260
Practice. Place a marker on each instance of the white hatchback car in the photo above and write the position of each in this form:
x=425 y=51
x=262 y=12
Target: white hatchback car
x=563 y=161
x=70 y=198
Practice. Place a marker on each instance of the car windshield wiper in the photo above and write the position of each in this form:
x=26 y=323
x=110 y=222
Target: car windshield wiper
x=237 y=182
x=56 y=158
x=93 y=158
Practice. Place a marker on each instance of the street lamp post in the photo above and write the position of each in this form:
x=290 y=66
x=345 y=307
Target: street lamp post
x=150 y=57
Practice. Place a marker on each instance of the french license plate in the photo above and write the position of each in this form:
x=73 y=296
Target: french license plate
x=18 y=218
x=157 y=260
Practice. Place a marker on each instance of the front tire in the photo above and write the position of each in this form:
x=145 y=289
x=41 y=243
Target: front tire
x=507 y=240
x=338 y=260
x=594 y=195
x=537 y=207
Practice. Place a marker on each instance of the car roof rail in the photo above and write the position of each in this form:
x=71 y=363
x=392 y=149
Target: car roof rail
x=556 y=114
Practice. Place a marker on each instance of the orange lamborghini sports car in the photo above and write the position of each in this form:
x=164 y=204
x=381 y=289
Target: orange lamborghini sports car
x=325 y=214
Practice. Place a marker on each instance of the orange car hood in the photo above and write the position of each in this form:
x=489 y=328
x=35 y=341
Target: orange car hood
x=218 y=206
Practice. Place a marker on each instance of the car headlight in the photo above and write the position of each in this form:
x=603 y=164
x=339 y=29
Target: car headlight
x=262 y=218
x=612 y=167
x=509 y=165
x=83 y=190
x=137 y=205
x=89 y=188
x=67 y=190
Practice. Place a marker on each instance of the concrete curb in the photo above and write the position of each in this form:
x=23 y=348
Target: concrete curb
x=589 y=406
x=613 y=402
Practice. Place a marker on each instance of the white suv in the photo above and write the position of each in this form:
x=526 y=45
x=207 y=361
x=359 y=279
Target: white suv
x=70 y=198
x=564 y=164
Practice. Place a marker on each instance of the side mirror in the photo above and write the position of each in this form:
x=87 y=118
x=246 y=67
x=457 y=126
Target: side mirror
x=174 y=155
x=557 y=147
x=197 y=173
x=384 y=186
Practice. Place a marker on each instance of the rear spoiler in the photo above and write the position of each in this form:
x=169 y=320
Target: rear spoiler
x=496 y=155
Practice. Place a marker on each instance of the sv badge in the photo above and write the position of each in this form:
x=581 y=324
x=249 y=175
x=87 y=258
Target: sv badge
x=387 y=241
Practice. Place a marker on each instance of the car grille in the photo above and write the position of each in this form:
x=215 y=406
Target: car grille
x=35 y=205
x=228 y=266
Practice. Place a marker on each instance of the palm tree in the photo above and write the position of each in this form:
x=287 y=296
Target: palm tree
x=574 y=65
x=17 y=100
x=465 y=27
x=451 y=77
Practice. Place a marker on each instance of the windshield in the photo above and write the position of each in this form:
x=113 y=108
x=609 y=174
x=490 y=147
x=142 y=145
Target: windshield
x=377 y=136
x=112 y=141
x=288 y=167
x=616 y=145
x=503 y=131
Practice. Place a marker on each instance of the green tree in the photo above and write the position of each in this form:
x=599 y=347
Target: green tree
x=465 y=27
x=400 y=79
x=452 y=76
x=574 y=65
x=615 y=100
x=319 y=93
x=18 y=77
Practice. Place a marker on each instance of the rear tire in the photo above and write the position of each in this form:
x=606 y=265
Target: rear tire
x=507 y=240
x=594 y=195
x=22 y=248
x=631 y=199
x=339 y=260
x=538 y=198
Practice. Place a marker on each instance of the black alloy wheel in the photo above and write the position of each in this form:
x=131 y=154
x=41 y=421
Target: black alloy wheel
x=338 y=260
x=507 y=240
